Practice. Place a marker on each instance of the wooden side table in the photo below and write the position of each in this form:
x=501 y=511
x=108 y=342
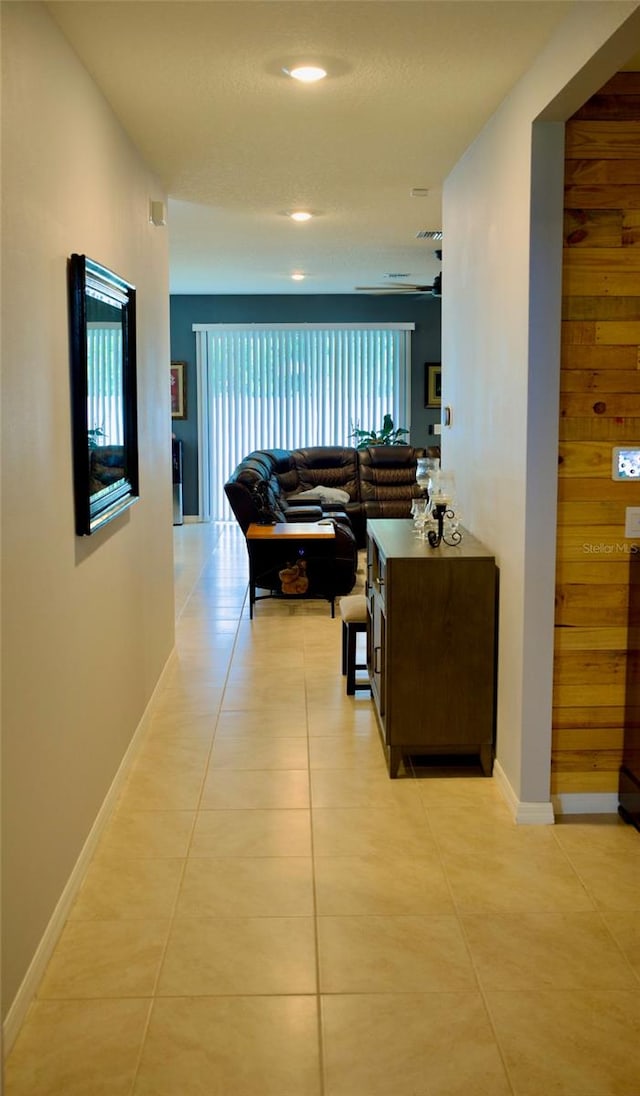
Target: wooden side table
x=298 y=533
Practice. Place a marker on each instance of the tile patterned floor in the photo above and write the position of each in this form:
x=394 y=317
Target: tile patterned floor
x=269 y=915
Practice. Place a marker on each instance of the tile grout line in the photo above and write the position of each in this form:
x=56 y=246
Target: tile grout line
x=316 y=927
x=601 y=913
x=469 y=952
x=196 y=810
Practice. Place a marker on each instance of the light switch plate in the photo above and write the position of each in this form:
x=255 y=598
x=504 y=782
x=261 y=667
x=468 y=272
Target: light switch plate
x=632 y=521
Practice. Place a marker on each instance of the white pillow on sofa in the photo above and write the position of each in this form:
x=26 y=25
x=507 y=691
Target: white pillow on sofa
x=323 y=494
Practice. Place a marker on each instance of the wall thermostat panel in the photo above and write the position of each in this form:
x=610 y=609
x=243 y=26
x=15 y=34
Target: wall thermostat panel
x=625 y=464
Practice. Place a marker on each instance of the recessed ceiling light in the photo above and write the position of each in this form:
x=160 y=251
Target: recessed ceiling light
x=298 y=276
x=300 y=215
x=307 y=74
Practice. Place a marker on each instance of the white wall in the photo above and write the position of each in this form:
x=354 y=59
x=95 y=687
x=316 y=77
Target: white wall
x=502 y=221
x=87 y=624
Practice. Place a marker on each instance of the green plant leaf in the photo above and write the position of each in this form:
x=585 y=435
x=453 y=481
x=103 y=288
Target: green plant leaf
x=388 y=435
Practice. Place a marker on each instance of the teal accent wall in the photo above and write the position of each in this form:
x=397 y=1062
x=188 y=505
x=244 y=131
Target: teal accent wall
x=423 y=311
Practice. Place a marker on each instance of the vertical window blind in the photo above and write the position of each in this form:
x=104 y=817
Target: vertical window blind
x=105 y=411
x=286 y=386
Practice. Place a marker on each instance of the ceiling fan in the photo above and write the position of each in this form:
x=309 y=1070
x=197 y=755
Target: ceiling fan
x=435 y=290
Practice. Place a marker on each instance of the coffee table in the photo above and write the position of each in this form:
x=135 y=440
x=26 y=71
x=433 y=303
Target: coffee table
x=302 y=536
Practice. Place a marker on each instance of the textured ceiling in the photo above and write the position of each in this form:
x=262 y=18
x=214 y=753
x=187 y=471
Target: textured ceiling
x=199 y=87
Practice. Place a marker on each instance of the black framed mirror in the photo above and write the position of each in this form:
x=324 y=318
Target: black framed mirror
x=102 y=318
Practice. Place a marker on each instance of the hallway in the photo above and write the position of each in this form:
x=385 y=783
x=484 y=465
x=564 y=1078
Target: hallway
x=268 y=914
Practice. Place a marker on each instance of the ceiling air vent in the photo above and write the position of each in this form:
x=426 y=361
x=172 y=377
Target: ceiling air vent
x=429 y=234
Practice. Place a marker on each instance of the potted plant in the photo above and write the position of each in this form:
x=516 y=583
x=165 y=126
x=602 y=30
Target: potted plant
x=94 y=436
x=388 y=435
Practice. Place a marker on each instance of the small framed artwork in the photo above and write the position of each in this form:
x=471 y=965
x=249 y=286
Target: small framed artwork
x=432 y=384
x=178 y=390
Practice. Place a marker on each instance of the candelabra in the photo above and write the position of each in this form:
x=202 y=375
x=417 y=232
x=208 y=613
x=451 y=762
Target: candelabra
x=435 y=507
x=440 y=510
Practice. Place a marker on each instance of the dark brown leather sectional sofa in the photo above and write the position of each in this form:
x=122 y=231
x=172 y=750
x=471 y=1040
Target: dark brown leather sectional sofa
x=346 y=485
x=379 y=481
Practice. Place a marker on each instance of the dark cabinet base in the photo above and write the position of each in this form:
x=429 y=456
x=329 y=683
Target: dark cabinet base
x=396 y=754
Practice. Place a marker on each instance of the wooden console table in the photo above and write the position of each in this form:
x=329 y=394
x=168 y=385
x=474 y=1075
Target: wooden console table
x=431 y=643
x=298 y=533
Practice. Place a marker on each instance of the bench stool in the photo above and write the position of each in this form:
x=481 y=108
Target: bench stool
x=353 y=611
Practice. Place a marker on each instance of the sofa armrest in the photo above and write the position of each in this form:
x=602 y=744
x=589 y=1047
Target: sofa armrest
x=303 y=513
x=302 y=504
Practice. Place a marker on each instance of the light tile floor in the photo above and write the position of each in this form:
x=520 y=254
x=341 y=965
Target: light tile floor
x=269 y=915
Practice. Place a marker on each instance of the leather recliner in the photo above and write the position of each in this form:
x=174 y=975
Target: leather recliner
x=333 y=466
x=388 y=480
x=255 y=493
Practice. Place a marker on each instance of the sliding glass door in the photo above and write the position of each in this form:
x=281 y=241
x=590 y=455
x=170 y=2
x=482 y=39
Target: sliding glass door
x=286 y=386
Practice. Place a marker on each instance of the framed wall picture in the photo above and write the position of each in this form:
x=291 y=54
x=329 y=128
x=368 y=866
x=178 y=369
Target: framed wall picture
x=104 y=403
x=432 y=384
x=178 y=390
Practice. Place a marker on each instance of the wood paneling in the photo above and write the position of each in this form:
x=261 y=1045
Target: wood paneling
x=587 y=721
x=591 y=760
x=596 y=629
x=593 y=380
x=597 y=140
x=593 y=692
x=617 y=431
x=602 y=667
x=602 y=172
x=601 y=308
x=618 y=334
x=608 y=196
x=575 y=489
x=585 y=458
x=584 y=782
x=592 y=639
x=576 y=607
x=621 y=83
x=610 y=405
x=603 y=258
x=600 y=512
x=604 y=405
x=604 y=572
x=581 y=356
x=613 y=107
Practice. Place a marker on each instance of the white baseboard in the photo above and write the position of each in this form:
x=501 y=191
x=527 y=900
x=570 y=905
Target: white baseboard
x=586 y=803
x=525 y=814
x=31 y=981
x=535 y=814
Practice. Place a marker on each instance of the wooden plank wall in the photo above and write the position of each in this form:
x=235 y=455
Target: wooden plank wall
x=596 y=644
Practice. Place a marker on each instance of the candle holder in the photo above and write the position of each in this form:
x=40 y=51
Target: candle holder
x=440 y=511
x=426 y=470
